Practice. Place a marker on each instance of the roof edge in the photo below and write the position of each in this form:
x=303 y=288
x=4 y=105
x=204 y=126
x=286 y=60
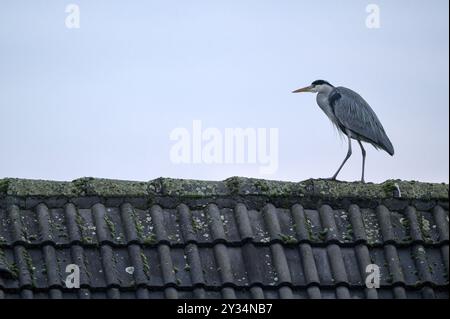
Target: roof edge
x=89 y=186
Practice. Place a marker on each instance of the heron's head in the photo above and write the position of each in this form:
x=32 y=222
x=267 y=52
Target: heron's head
x=317 y=86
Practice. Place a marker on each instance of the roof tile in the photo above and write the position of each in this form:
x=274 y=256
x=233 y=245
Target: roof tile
x=233 y=239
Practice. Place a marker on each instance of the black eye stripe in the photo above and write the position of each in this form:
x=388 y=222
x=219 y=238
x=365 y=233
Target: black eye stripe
x=320 y=82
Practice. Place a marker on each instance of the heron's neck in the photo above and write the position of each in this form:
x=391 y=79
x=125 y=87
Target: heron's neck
x=322 y=98
x=323 y=102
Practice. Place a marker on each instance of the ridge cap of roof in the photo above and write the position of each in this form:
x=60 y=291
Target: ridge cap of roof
x=238 y=186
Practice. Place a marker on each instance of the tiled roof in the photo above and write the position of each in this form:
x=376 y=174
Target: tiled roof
x=240 y=238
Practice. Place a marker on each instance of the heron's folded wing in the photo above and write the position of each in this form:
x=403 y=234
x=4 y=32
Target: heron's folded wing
x=355 y=114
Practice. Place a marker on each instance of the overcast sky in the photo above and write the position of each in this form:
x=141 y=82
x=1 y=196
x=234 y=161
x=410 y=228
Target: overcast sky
x=103 y=99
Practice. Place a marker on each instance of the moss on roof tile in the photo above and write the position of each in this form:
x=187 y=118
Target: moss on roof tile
x=4 y=183
x=233 y=186
x=28 y=187
x=89 y=186
x=186 y=187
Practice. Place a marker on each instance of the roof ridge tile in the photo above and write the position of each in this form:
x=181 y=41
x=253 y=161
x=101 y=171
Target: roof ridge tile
x=237 y=186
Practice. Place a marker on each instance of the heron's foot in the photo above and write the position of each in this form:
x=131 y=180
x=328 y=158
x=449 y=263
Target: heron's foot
x=363 y=181
x=330 y=178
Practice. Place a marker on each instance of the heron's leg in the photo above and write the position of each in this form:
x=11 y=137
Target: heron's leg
x=363 y=151
x=349 y=153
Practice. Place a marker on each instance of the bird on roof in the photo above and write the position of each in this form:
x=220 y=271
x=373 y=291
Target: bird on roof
x=352 y=116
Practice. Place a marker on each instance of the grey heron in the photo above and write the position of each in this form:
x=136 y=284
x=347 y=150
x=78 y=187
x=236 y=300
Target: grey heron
x=352 y=116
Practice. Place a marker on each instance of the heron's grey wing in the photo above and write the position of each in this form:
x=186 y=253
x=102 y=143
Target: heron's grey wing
x=356 y=115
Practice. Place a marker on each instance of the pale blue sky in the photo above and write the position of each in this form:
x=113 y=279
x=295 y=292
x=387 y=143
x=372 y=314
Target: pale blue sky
x=102 y=100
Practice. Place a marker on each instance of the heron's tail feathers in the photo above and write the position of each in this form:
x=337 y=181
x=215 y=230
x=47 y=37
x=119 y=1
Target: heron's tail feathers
x=387 y=146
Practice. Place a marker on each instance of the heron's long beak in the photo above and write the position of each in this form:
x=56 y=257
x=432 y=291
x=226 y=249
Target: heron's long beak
x=305 y=89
